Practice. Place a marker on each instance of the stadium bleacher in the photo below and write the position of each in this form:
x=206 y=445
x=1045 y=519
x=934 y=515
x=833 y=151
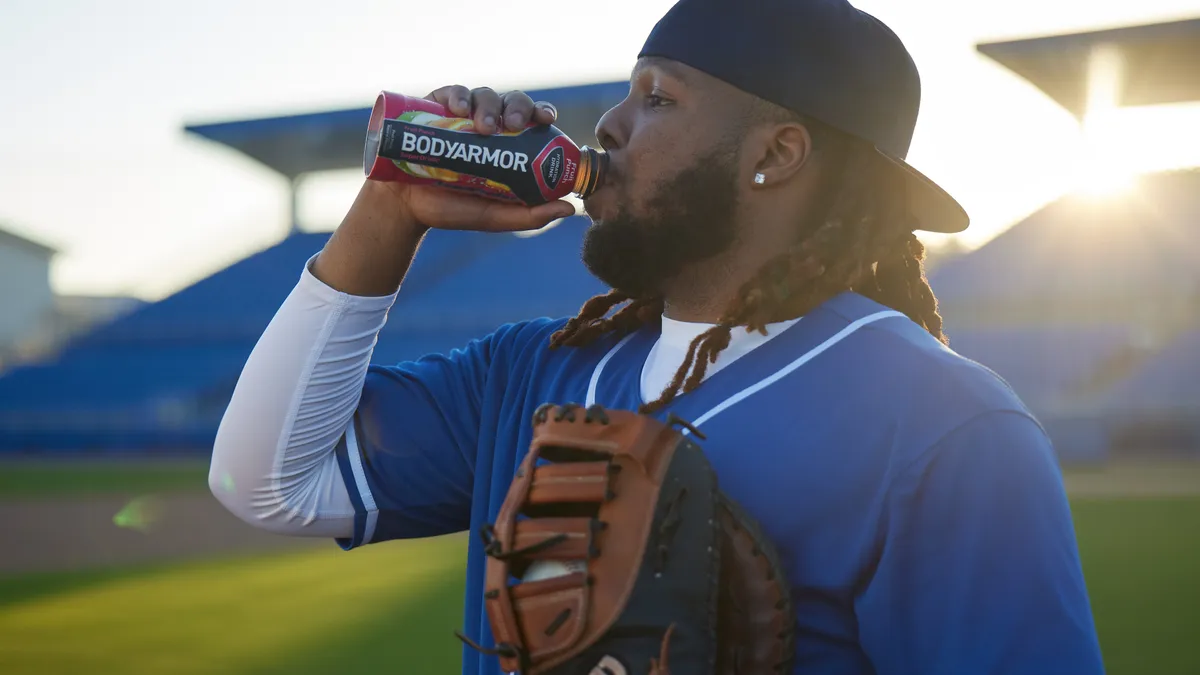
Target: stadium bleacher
x=522 y=277
x=1060 y=306
x=1088 y=309
x=159 y=378
x=1169 y=381
x=1085 y=258
x=1156 y=409
x=1045 y=365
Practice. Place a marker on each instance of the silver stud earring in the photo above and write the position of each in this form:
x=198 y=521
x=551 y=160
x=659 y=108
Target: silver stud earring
x=759 y=179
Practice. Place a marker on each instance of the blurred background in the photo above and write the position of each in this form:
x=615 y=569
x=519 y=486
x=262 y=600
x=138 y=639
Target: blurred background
x=167 y=167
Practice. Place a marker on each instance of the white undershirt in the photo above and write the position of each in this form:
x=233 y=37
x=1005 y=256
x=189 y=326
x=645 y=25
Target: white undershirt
x=672 y=346
x=273 y=462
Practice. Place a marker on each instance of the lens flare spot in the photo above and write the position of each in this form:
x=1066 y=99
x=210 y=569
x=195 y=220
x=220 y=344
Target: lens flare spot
x=139 y=514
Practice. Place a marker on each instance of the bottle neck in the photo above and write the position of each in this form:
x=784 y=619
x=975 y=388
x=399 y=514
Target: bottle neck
x=593 y=167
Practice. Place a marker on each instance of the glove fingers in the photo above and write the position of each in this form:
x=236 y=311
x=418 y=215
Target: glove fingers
x=757 y=624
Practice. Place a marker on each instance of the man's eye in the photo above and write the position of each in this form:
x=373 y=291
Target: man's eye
x=656 y=101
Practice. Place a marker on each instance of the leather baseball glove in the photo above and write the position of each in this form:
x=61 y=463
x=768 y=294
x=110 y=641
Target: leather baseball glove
x=652 y=568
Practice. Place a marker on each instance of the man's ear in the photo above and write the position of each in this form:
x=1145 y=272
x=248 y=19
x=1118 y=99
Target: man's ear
x=785 y=150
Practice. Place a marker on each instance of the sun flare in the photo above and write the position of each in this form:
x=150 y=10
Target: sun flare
x=1104 y=180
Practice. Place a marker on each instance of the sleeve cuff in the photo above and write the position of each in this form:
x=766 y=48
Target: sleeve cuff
x=318 y=289
x=366 y=514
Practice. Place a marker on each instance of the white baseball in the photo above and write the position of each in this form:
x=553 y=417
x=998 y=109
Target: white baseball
x=548 y=569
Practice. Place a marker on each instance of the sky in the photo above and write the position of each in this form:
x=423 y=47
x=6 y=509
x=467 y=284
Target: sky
x=94 y=160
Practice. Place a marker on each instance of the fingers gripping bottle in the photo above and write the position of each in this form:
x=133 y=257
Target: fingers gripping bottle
x=419 y=141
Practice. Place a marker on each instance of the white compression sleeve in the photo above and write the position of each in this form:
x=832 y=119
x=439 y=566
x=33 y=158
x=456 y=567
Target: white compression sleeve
x=273 y=463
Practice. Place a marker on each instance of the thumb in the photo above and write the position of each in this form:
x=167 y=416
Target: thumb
x=560 y=209
x=532 y=218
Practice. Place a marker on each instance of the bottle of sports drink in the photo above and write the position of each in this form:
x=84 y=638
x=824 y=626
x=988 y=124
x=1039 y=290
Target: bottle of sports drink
x=415 y=140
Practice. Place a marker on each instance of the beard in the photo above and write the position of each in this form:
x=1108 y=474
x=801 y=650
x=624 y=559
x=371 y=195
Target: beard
x=689 y=218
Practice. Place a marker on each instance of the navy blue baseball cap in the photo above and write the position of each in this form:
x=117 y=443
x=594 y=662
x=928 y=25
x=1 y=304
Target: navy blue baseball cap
x=824 y=59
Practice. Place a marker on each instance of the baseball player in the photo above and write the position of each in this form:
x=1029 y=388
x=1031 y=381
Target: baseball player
x=757 y=231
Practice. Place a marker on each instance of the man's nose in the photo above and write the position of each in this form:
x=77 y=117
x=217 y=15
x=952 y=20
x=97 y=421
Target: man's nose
x=612 y=129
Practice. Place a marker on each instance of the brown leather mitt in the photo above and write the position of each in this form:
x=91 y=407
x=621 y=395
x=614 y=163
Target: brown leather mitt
x=652 y=569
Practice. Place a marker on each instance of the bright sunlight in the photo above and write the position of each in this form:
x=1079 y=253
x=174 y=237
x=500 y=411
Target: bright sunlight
x=1104 y=168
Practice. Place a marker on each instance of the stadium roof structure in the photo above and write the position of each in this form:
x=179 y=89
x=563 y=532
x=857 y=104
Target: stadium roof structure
x=294 y=145
x=1156 y=63
x=8 y=238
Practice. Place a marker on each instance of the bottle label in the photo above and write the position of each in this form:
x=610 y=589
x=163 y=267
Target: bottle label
x=552 y=168
x=526 y=166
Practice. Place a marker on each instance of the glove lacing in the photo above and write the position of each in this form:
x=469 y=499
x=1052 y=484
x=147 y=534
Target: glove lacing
x=666 y=530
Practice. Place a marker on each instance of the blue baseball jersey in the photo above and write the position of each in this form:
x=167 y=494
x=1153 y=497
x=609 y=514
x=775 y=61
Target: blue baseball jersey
x=917 y=504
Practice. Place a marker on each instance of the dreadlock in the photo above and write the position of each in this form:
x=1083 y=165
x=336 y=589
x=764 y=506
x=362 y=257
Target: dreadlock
x=864 y=243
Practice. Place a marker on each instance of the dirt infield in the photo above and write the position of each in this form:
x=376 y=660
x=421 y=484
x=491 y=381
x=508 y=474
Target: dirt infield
x=1135 y=479
x=69 y=533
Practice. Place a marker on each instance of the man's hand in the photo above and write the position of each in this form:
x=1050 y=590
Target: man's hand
x=371 y=250
x=433 y=207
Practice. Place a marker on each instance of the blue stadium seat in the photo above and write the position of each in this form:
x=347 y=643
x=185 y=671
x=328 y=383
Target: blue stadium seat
x=1169 y=381
x=160 y=377
x=1044 y=365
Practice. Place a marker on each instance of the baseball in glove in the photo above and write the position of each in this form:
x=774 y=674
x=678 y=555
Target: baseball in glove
x=656 y=569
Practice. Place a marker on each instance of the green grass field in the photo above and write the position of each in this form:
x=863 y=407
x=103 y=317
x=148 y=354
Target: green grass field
x=20 y=479
x=1141 y=559
x=366 y=612
x=326 y=611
